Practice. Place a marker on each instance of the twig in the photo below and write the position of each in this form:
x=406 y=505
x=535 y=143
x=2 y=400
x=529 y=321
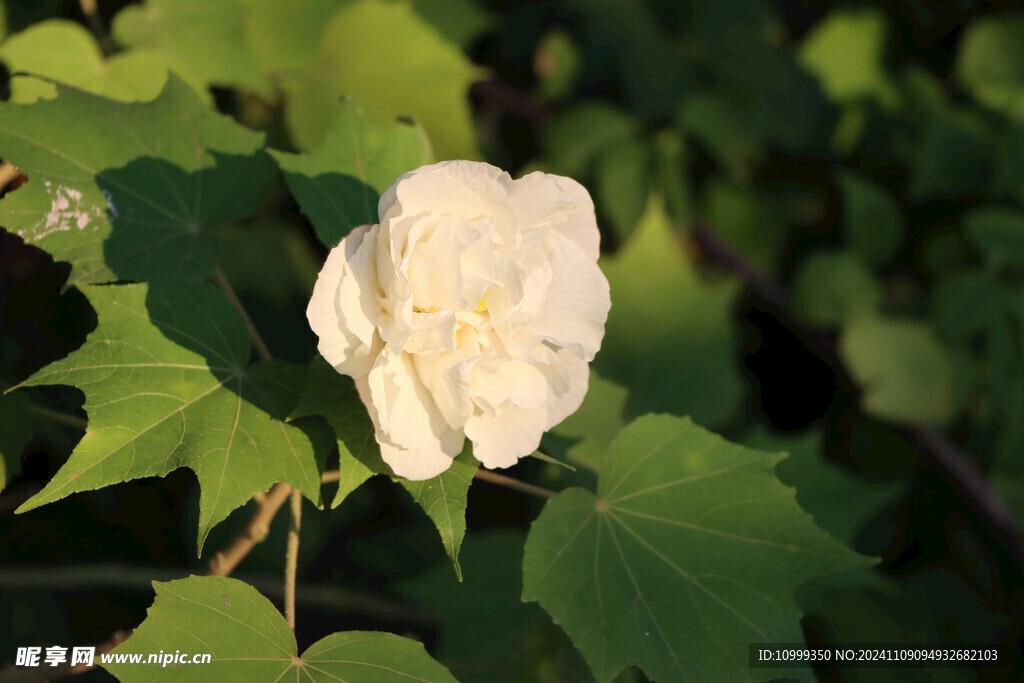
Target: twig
x=959 y=472
x=484 y=475
x=95 y=21
x=222 y=282
x=292 y=559
x=224 y=562
x=766 y=288
x=66 y=419
x=514 y=484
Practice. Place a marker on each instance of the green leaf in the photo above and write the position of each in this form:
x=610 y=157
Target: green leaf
x=690 y=550
x=459 y=21
x=203 y=38
x=393 y=63
x=872 y=221
x=840 y=501
x=831 y=287
x=847 y=52
x=998 y=232
x=443 y=498
x=622 y=183
x=249 y=640
x=778 y=98
x=15 y=432
x=627 y=39
x=124 y=191
x=951 y=152
x=934 y=605
x=65 y=51
x=748 y=220
x=670 y=337
x=284 y=37
x=167 y=384
x=474 y=644
x=725 y=130
x=578 y=136
x=990 y=62
x=904 y=372
x=339 y=184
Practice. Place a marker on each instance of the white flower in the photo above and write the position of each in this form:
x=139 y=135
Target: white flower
x=470 y=310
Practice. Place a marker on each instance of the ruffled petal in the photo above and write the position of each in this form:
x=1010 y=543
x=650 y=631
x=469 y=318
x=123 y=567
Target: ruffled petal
x=341 y=308
x=413 y=434
x=544 y=202
x=511 y=434
x=576 y=305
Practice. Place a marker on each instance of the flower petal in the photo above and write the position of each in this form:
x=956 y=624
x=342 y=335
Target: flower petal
x=577 y=301
x=544 y=202
x=414 y=437
x=338 y=311
x=511 y=434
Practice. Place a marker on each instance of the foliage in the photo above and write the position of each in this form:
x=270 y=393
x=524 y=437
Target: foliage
x=813 y=227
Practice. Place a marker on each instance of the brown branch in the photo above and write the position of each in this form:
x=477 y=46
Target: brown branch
x=514 y=484
x=92 y=16
x=291 y=564
x=225 y=561
x=222 y=282
x=484 y=475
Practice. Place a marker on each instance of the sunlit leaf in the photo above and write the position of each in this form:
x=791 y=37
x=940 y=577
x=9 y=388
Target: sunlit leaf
x=65 y=51
x=904 y=372
x=168 y=384
x=670 y=337
x=990 y=61
x=390 y=61
x=249 y=640
x=124 y=191
x=690 y=549
x=338 y=185
x=443 y=498
x=203 y=38
x=847 y=52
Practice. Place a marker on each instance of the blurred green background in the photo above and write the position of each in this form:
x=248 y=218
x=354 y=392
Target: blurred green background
x=813 y=226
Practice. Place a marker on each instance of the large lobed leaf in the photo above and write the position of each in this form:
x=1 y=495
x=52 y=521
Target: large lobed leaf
x=250 y=641
x=167 y=384
x=690 y=550
x=443 y=497
x=124 y=191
